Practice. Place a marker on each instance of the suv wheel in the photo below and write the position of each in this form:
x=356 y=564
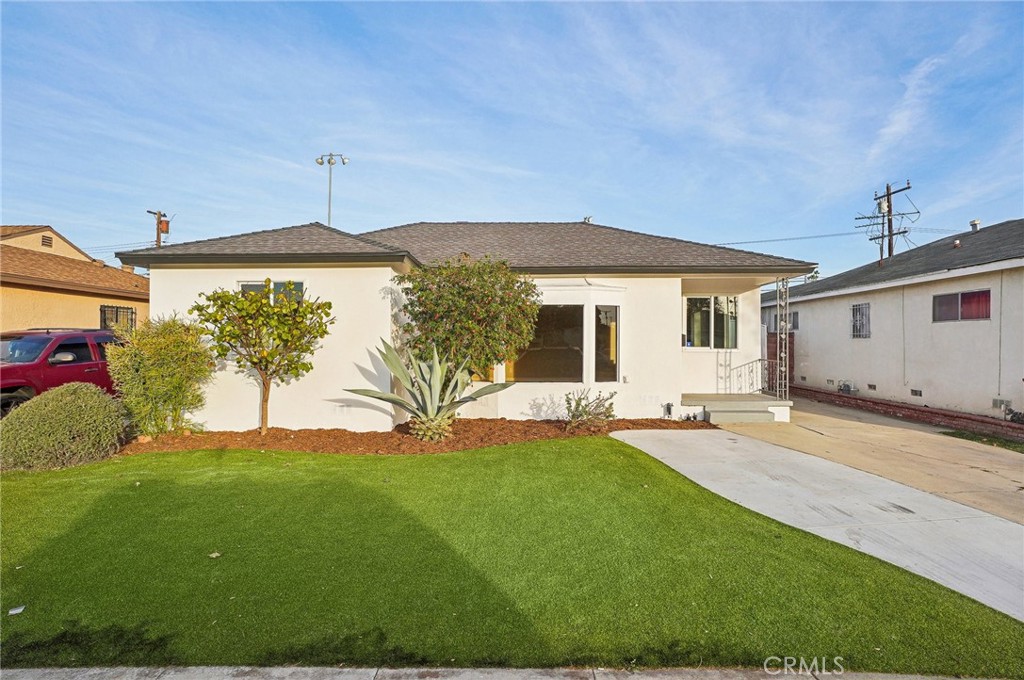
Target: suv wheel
x=9 y=401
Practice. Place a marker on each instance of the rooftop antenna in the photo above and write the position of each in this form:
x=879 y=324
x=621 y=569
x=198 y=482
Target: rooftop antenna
x=163 y=225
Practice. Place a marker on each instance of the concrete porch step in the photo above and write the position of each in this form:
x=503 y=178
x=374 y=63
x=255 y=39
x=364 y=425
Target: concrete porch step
x=723 y=416
x=739 y=408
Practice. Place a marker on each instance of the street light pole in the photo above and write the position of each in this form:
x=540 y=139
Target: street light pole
x=330 y=159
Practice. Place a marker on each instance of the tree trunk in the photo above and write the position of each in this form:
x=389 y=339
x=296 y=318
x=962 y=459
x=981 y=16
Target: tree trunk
x=264 y=402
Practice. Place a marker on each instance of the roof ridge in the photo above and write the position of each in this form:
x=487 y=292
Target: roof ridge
x=247 y=233
x=593 y=224
x=359 y=237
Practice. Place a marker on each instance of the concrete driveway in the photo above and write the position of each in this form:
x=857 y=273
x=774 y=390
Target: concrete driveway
x=978 y=475
x=971 y=551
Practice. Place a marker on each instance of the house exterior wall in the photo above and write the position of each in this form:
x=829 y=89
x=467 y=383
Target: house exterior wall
x=724 y=371
x=654 y=369
x=60 y=245
x=24 y=307
x=345 y=358
x=958 y=365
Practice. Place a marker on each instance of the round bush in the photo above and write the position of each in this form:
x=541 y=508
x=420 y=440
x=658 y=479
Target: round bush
x=68 y=425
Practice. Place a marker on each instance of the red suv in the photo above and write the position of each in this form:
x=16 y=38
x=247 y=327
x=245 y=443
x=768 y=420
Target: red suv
x=39 y=359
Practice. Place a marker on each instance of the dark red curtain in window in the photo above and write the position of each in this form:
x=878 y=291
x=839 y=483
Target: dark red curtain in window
x=976 y=305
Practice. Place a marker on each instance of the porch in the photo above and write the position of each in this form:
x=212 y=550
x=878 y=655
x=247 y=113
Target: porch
x=719 y=409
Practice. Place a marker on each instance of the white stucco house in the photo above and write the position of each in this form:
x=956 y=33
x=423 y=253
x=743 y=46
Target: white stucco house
x=940 y=325
x=655 y=319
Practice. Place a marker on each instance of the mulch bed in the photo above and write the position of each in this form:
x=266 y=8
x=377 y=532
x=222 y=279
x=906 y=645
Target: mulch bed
x=467 y=433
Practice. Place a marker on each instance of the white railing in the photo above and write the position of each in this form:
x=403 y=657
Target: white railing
x=761 y=376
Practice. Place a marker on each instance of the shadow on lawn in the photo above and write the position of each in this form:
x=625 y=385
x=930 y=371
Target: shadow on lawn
x=246 y=560
x=78 y=645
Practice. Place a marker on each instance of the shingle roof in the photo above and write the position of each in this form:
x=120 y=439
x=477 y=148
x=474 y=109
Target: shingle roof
x=573 y=246
x=1003 y=241
x=304 y=242
x=30 y=267
x=8 y=230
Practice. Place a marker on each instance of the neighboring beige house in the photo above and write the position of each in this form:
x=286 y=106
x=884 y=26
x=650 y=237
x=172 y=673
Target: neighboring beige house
x=651 y=318
x=48 y=282
x=940 y=325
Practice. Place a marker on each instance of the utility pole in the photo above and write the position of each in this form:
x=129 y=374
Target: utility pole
x=883 y=218
x=163 y=225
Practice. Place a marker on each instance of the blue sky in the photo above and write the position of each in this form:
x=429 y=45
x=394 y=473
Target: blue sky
x=717 y=123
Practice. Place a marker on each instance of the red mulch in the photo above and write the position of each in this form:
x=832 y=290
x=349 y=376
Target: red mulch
x=467 y=433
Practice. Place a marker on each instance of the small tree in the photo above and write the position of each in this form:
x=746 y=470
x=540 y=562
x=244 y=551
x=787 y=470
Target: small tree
x=478 y=311
x=159 y=369
x=271 y=334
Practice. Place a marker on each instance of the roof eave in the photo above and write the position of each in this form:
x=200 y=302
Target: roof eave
x=788 y=270
x=37 y=282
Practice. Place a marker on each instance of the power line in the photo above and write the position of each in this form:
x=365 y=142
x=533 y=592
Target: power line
x=790 y=238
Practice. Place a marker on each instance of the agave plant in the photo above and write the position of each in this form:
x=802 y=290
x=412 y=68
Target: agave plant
x=435 y=392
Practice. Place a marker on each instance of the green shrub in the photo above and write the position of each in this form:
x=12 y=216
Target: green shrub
x=68 y=425
x=159 y=369
x=475 y=310
x=581 y=411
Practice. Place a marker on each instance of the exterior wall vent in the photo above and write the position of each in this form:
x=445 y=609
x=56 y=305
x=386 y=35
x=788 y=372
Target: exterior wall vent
x=872 y=387
x=830 y=382
x=916 y=393
x=46 y=241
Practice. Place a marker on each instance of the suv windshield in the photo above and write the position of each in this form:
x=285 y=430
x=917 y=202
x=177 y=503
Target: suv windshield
x=22 y=349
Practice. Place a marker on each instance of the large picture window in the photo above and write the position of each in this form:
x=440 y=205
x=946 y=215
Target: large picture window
x=969 y=306
x=556 y=352
x=606 y=343
x=712 y=321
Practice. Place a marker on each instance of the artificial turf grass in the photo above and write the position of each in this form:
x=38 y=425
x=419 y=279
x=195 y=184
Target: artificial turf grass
x=551 y=553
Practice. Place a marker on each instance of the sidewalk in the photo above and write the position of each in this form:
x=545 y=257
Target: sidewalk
x=291 y=673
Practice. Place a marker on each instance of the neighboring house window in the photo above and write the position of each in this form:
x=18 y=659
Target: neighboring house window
x=712 y=321
x=606 y=343
x=112 y=316
x=860 y=316
x=46 y=241
x=969 y=306
x=279 y=288
x=556 y=352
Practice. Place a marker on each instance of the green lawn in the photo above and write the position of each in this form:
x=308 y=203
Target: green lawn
x=568 y=552
x=1011 y=444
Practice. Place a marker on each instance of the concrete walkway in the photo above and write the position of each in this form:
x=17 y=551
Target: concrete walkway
x=978 y=475
x=970 y=551
x=251 y=673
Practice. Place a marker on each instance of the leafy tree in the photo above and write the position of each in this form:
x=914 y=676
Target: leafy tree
x=159 y=369
x=478 y=311
x=271 y=334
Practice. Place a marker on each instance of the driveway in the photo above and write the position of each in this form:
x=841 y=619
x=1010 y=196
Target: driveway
x=971 y=551
x=978 y=475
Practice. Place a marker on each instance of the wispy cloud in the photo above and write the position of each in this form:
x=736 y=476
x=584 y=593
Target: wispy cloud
x=695 y=119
